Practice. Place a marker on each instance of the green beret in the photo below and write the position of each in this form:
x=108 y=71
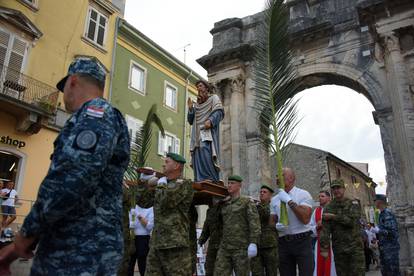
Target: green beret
x=381 y=197
x=235 y=178
x=265 y=186
x=338 y=183
x=176 y=157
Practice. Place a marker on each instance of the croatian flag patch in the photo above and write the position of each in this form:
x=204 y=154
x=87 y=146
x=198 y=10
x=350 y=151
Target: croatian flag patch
x=94 y=111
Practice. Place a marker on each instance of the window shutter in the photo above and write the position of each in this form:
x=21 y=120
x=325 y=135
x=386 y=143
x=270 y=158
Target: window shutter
x=174 y=98
x=4 y=44
x=177 y=145
x=161 y=143
x=16 y=59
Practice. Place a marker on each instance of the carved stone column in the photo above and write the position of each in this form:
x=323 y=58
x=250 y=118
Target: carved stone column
x=238 y=127
x=401 y=192
x=395 y=185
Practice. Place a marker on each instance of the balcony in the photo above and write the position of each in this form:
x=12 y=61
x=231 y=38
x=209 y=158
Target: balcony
x=31 y=101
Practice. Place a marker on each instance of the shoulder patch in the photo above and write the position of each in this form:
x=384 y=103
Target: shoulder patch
x=86 y=139
x=95 y=111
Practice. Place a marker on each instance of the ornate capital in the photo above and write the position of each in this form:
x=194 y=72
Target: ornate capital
x=392 y=42
x=237 y=84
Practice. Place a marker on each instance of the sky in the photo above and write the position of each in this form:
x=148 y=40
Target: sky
x=334 y=118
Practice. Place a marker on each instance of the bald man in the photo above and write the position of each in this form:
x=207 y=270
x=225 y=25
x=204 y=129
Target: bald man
x=295 y=241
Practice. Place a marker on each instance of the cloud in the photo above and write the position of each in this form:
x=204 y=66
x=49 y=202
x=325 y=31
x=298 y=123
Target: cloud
x=174 y=24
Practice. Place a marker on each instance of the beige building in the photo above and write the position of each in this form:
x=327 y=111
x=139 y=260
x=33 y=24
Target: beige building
x=38 y=41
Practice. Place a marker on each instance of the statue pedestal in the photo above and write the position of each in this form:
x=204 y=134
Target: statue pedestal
x=206 y=190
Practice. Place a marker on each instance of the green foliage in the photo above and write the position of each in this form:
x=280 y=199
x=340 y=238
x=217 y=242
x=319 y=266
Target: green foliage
x=141 y=146
x=276 y=85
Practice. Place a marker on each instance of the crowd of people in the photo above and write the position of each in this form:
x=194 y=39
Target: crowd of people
x=76 y=222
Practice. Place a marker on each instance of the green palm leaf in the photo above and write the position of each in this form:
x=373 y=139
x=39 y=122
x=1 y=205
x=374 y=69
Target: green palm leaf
x=142 y=145
x=275 y=86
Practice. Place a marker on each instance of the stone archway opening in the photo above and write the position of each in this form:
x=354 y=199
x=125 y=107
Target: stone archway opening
x=371 y=117
x=339 y=120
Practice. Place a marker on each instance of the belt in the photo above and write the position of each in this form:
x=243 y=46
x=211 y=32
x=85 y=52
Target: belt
x=296 y=236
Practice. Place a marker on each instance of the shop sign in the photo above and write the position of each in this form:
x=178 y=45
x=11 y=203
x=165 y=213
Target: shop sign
x=12 y=142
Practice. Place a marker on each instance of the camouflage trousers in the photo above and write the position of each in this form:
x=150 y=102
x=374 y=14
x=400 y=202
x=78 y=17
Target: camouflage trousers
x=210 y=260
x=265 y=263
x=350 y=264
x=390 y=263
x=70 y=262
x=228 y=260
x=169 y=262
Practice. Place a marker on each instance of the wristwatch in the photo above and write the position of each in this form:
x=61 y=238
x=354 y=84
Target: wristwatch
x=292 y=204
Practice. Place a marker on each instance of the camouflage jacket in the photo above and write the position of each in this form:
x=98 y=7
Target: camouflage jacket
x=212 y=227
x=269 y=235
x=241 y=224
x=171 y=212
x=344 y=229
x=388 y=231
x=79 y=203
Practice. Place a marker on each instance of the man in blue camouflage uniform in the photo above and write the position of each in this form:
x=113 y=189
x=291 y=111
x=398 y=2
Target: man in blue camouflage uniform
x=77 y=217
x=387 y=235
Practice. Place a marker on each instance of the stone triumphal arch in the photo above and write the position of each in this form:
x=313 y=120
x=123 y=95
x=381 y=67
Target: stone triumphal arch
x=366 y=45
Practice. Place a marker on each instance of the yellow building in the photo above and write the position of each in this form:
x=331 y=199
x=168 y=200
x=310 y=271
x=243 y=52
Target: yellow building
x=38 y=41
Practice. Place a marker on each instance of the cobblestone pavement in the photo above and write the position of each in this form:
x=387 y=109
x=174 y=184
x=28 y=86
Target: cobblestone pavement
x=22 y=268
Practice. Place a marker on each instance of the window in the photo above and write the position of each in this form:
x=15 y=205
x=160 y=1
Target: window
x=137 y=76
x=134 y=127
x=170 y=96
x=12 y=56
x=338 y=173
x=169 y=143
x=32 y=4
x=353 y=178
x=96 y=27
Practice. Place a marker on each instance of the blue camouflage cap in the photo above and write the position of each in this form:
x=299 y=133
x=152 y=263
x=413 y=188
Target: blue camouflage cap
x=380 y=197
x=84 y=65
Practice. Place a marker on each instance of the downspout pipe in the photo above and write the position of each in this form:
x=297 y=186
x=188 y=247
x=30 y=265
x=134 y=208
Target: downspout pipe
x=112 y=69
x=187 y=84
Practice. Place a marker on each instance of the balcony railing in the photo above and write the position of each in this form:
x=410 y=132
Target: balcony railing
x=24 y=89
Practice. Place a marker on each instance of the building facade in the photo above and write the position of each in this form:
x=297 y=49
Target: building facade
x=315 y=169
x=38 y=41
x=145 y=74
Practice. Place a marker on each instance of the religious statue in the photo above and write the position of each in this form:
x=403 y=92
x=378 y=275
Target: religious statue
x=205 y=116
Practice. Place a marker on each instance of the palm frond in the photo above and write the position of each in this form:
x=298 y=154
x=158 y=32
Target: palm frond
x=142 y=145
x=275 y=84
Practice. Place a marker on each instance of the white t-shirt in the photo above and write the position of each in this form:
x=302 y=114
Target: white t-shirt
x=139 y=228
x=300 y=197
x=12 y=196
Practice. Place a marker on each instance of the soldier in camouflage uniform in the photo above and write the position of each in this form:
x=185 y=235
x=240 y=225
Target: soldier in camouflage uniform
x=340 y=221
x=387 y=234
x=193 y=215
x=266 y=262
x=241 y=231
x=77 y=217
x=170 y=253
x=212 y=231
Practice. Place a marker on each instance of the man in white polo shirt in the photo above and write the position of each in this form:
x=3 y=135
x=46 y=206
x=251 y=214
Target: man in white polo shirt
x=295 y=242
